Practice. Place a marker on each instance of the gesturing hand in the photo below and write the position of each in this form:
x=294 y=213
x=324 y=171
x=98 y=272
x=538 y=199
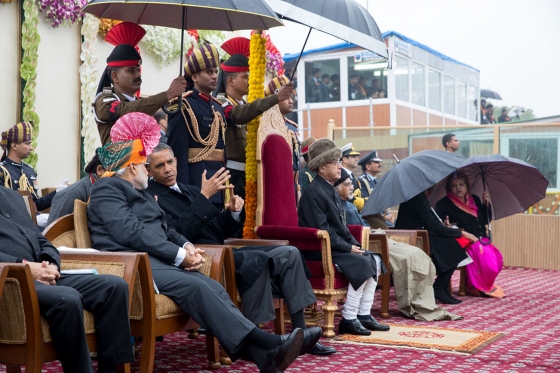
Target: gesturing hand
x=235 y=203
x=469 y=236
x=211 y=186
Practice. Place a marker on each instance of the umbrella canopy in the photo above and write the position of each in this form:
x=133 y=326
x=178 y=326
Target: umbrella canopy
x=225 y=15
x=514 y=185
x=490 y=94
x=344 y=19
x=410 y=177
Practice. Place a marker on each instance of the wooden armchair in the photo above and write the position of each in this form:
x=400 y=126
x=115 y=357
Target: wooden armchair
x=277 y=214
x=151 y=314
x=24 y=335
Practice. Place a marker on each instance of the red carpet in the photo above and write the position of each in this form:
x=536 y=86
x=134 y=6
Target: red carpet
x=529 y=316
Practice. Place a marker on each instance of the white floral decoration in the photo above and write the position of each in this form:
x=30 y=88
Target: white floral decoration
x=164 y=44
x=88 y=79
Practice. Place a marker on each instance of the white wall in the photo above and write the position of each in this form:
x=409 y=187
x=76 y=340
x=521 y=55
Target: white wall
x=9 y=65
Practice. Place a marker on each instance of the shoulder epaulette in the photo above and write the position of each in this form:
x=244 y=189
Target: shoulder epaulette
x=28 y=165
x=292 y=122
x=172 y=104
x=216 y=100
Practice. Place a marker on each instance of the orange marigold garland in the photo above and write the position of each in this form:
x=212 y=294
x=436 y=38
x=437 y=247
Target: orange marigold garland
x=257 y=65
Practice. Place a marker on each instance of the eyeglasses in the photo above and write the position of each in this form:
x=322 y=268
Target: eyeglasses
x=335 y=163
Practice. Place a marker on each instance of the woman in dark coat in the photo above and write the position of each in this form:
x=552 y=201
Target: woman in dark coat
x=445 y=250
x=470 y=214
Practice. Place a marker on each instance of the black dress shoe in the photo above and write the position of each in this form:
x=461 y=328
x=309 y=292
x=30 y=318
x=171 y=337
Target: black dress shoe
x=455 y=300
x=372 y=324
x=321 y=350
x=442 y=296
x=280 y=358
x=352 y=327
x=310 y=338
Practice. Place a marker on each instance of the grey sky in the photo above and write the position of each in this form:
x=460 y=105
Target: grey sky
x=514 y=43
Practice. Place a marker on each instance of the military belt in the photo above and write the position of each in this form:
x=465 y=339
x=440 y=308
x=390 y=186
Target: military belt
x=217 y=155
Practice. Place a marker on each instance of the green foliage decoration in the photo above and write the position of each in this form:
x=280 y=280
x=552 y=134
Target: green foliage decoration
x=28 y=70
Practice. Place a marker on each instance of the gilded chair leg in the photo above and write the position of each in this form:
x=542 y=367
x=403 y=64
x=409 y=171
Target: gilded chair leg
x=193 y=333
x=224 y=358
x=462 y=282
x=314 y=310
x=328 y=310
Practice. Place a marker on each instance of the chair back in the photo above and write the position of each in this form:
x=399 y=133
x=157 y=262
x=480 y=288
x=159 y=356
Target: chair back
x=276 y=201
x=83 y=238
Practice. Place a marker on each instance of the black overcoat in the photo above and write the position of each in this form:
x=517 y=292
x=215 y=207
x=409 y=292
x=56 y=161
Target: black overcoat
x=445 y=251
x=320 y=207
x=472 y=224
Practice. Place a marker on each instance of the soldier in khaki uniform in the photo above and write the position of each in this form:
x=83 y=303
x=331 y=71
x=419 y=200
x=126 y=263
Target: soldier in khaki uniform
x=233 y=82
x=120 y=82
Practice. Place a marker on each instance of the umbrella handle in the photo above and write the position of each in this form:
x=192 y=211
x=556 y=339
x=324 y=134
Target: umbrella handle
x=300 y=53
x=166 y=109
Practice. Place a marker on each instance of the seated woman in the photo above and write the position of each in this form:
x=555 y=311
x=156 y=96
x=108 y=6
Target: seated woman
x=445 y=250
x=470 y=214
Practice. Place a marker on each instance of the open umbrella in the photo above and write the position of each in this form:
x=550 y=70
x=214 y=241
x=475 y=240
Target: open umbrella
x=410 y=177
x=490 y=94
x=514 y=185
x=225 y=15
x=345 y=19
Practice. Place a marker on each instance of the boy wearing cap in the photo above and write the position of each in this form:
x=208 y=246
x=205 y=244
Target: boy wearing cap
x=119 y=83
x=16 y=174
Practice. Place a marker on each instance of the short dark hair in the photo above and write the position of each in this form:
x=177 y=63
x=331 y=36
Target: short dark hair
x=458 y=175
x=91 y=167
x=489 y=106
x=352 y=76
x=110 y=70
x=483 y=100
x=315 y=70
x=159 y=115
x=161 y=147
x=446 y=138
x=335 y=76
x=325 y=76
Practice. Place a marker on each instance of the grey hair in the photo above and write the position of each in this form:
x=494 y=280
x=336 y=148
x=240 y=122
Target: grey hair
x=121 y=171
x=159 y=148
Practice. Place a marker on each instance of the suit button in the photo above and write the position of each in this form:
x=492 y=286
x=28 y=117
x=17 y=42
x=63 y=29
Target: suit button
x=7 y=215
x=206 y=218
x=24 y=231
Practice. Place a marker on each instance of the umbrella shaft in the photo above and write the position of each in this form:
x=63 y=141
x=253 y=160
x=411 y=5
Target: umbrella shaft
x=182 y=40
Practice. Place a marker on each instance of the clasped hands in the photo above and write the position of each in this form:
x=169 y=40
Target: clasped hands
x=44 y=272
x=471 y=237
x=193 y=259
x=217 y=183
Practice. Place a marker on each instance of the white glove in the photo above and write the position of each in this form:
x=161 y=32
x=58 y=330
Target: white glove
x=62 y=186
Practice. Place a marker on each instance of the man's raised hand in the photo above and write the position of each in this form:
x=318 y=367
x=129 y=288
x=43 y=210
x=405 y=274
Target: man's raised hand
x=176 y=88
x=216 y=183
x=285 y=91
x=235 y=203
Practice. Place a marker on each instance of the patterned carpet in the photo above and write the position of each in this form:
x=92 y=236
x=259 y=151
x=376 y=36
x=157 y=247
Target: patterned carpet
x=529 y=316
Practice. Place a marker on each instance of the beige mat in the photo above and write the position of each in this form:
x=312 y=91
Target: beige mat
x=443 y=339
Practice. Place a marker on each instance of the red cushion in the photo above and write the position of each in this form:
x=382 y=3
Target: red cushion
x=279 y=200
x=317 y=279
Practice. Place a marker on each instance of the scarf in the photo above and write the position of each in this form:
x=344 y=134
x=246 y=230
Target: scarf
x=470 y=207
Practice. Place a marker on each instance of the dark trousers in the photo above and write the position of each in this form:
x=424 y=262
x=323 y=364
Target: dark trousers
x=287 y=280
x=442 y=280
x=207 y=302
x=62 y=307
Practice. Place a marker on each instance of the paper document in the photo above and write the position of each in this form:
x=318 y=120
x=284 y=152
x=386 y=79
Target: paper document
x=85 y=271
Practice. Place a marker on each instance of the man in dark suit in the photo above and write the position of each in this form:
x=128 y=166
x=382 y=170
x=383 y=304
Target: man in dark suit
x=262 y=270
x=62 y=298
x=122 y=216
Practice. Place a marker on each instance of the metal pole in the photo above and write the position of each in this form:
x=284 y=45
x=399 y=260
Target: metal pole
x=371 y=115
x=182 y=39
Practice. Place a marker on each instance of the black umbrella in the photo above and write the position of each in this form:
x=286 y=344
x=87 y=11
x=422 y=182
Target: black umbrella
x=225 y=15
x=410 y=177
x=345 y=19
x=490 y=94
x=514 y=185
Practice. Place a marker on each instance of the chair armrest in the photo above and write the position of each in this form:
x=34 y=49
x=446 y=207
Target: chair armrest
x=379 y=243
x=239 y=242
x=23 y=323
x=303 y=238
x=59 y=226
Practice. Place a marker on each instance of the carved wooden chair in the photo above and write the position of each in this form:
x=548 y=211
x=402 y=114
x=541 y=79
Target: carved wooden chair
x=151 y=314
x=277 y=214
x=24 y=335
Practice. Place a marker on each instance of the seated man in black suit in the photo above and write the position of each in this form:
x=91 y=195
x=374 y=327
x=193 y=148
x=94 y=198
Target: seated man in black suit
x=262 y=270
x=62 y=298
x=122 y=216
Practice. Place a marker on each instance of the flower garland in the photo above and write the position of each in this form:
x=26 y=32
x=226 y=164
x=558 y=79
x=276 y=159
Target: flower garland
x=62 y=12
x=106 y=24
x=6 y=1
x=257 y=63
x=88 y=76
x=30 y=43
x=164 y=44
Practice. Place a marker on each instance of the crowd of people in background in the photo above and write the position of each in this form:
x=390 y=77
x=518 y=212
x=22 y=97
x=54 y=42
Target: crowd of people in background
x=487 y=114
x=324 y=87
